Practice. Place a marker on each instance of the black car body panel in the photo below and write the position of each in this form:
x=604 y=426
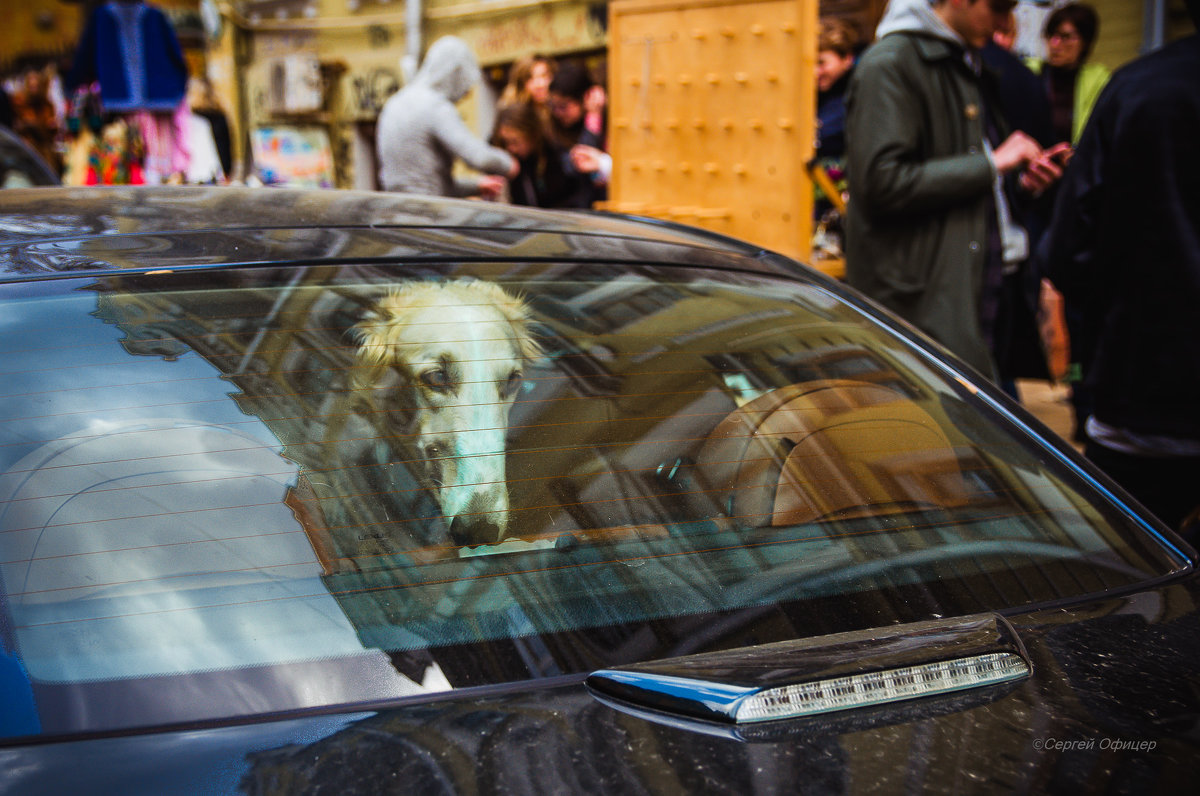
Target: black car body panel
x=179 y=360
x=1093 y=718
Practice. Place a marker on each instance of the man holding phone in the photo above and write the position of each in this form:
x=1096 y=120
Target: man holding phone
x=933 y=173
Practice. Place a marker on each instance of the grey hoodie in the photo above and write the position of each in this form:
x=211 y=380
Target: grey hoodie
x=915 y=16
x=420 y=133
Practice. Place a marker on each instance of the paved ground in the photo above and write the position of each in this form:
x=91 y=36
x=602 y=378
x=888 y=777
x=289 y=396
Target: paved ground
x=1048 y=403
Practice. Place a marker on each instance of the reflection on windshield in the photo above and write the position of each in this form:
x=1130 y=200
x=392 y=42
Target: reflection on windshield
x=256 y=469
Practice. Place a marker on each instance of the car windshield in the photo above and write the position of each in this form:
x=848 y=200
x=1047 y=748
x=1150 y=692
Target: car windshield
x=246 y=491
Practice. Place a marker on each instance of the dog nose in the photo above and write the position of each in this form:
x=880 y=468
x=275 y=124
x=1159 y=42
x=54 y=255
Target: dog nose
x=474 y=529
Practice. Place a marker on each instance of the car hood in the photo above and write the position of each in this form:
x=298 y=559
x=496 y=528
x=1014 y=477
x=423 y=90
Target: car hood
x=1112 y=702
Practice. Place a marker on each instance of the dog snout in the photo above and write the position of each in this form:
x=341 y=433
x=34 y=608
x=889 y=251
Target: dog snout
x=483 y=522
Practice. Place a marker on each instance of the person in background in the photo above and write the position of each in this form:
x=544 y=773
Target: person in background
x=837 y=48
x=1124 y=245
x=578 y=108
x=1005 y=35
x=577 y=104
x=1018 y=346
x=420 y=134
x=1072 y=83
x=545 y=180
x=933 y=169
x=204 y=103
x=529 y=81
x=1073 y=86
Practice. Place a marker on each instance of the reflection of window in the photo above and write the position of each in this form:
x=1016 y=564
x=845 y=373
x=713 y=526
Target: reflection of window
x=843 y=359
x=622 y=311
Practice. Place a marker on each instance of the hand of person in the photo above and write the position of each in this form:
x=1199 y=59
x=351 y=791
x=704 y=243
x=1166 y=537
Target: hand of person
x=596 y=163
x=1046 y=169
x=491 y=186
x=1016 y=151
x=585 y=159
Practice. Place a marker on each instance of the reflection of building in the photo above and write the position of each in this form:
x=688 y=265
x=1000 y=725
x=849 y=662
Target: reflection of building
x=645 y=408
x=710 y=460
x=291 y=372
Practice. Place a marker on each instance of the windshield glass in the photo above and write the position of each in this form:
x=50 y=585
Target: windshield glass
x=332 y=485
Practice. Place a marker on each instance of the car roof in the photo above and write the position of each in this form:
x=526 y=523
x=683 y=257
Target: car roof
x=64 y=231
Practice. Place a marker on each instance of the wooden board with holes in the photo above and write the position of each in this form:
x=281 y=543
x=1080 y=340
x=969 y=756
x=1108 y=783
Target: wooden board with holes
x=712 y=106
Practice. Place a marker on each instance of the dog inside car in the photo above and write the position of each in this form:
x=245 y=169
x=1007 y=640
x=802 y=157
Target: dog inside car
x=446 y=361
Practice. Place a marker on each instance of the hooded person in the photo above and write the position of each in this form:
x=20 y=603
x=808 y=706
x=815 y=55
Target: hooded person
x=420 y=133
x=929 y=230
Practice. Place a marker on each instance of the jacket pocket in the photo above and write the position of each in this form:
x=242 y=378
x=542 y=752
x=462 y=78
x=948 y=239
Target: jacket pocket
x=907 y=260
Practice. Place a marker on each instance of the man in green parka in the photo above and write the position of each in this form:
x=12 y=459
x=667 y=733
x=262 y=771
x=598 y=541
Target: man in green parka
x=929 y=227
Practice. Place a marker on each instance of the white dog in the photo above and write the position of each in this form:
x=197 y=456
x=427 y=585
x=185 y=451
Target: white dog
x=460 y=349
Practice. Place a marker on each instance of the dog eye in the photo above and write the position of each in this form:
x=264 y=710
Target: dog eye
x=514 y=381
x=437 y=379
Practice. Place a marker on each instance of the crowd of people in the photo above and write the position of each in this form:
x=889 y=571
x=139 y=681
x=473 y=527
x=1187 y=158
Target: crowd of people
x=548 y=148
x=981 y=187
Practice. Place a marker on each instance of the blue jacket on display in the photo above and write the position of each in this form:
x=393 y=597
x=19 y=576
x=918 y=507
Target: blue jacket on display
x=130 y=48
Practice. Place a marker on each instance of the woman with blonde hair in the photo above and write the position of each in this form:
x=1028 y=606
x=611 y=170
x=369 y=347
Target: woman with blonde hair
x=529 y=81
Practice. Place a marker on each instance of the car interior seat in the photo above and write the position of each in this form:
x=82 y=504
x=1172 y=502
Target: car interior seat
x=828 y=448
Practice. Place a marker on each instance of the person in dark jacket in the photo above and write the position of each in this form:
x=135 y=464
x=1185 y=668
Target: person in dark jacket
x=545 y=178
x=578 y=115
x=837 y=48
x=1124 y=243
x=929 y=226
x=1017 y=346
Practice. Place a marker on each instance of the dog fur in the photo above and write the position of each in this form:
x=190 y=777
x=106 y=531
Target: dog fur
x=447 y=359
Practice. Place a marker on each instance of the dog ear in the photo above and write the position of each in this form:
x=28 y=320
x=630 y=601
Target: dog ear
x=516 y=311
x=375 y=352
x=378 y=332
x=370 y=334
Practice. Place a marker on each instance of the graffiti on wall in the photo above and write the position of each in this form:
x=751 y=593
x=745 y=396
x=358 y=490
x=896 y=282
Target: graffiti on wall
x=551 y=30
x=370 y=89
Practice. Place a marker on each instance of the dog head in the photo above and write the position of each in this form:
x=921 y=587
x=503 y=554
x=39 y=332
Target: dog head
x=459 y=352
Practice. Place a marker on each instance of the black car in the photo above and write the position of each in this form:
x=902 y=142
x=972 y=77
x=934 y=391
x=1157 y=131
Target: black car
x=345 y=492
x=20 y=165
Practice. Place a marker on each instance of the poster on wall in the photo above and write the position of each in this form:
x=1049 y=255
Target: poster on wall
x=298 y=157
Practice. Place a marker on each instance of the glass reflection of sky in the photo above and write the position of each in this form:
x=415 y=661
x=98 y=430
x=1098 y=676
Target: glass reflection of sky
x=63 y=371
x=143 y=530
